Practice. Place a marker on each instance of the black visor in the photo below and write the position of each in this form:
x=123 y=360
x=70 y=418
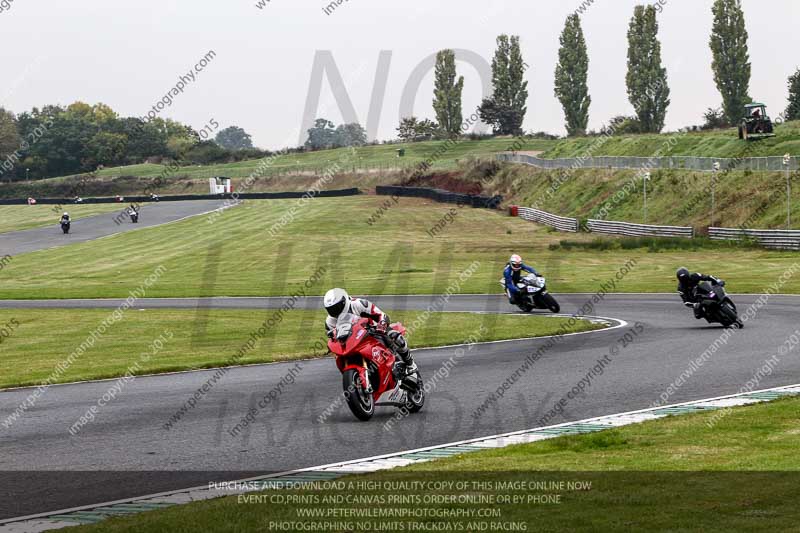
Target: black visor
x=336 y=309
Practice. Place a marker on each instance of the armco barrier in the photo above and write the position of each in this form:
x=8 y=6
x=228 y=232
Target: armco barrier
x=187 y=197
x=769 y=238
x=701 y=164
x=440 y=195
x=548 y=219
x=638 y=230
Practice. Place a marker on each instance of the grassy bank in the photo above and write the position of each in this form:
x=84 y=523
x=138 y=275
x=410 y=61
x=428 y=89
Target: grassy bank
x=380 y=157
x=204 y=339
x=674 y=474
x=674 y=197
x=371 y=166
x=380 y=164
x=716 y=143
x=237 y=256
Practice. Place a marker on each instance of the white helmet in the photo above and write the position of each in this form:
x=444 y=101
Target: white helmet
x=66 y=214
x=335 y=301
x=515 y=262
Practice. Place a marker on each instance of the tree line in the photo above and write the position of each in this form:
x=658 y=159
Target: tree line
x=80 y=138
x=646 y=80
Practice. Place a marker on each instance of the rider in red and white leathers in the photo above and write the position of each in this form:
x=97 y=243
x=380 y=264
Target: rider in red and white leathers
x=338 y=302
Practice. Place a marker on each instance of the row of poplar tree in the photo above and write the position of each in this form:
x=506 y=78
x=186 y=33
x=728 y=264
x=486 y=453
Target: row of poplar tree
x=646 y=80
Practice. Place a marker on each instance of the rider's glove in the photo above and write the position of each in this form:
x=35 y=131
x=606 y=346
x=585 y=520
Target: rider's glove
x=383 y=325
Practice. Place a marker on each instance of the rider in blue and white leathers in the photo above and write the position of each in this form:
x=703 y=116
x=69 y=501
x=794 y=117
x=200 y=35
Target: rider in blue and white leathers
x=512 y=275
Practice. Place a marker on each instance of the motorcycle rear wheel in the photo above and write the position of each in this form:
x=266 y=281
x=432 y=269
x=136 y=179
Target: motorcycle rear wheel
x=358 y=400
x=416 y=400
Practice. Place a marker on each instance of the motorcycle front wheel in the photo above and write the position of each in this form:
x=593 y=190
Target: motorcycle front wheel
x=359 y=400
x=729 y=316
x=551 y=303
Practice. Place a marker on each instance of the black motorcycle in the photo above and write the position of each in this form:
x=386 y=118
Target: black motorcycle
x=533 y=294
x=716 y=305
x=65 y=226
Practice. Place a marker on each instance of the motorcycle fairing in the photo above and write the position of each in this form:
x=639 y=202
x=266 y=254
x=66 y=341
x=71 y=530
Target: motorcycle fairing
x=396 y=397
x=355 y=349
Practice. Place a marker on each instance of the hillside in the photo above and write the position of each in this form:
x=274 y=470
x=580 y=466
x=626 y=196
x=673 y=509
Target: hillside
x=756 y=200
x=377 y=157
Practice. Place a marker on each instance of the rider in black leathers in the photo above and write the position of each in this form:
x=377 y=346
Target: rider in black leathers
x=687 y=288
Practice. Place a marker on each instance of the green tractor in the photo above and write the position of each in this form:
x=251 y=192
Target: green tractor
x=756 y=124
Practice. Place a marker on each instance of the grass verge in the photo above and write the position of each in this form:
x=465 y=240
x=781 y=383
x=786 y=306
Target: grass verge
x=364 y=247
x=41 y=339
x=676 y=474
x=20 y=217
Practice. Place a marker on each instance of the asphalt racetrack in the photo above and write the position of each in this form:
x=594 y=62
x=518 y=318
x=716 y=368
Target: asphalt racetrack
x=127 y=451
x=94 y=227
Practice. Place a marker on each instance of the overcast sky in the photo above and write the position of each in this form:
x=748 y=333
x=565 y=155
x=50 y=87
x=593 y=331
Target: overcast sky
x=129 y=54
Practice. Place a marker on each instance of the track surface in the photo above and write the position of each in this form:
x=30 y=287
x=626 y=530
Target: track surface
x=94 y=227
x=128 y=434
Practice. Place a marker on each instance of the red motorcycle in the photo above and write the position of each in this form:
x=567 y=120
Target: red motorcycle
x=372 y=375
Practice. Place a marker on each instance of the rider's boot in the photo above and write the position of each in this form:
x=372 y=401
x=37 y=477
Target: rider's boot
x=401 y=347
x=408 y=359
x=698 y=311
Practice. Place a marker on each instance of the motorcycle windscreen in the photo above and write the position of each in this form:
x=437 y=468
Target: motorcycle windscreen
x=349 y=334
x=706 y=289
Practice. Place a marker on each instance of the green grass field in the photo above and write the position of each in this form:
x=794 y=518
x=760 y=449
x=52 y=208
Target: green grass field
x=236 y=256
x=207 y=339
x=675 y=474
x=19 y=217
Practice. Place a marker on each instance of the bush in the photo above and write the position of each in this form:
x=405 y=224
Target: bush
x=544 y=135
x=473 y=136
x=206 y=152
x=623 y=125
x=714 y=119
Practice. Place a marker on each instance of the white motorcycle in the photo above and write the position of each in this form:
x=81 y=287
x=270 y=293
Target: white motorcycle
x=533 y=294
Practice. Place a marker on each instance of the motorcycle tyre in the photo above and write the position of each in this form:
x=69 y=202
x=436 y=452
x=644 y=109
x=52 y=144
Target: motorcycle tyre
x=361 y=403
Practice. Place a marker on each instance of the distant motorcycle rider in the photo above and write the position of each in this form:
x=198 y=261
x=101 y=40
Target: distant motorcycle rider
x=338 y=302
x=65 y=218
x=687 y=288
x=513 y=274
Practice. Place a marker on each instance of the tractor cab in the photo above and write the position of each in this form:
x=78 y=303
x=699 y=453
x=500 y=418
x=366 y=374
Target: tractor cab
x=756 y=124
x=756 y=110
